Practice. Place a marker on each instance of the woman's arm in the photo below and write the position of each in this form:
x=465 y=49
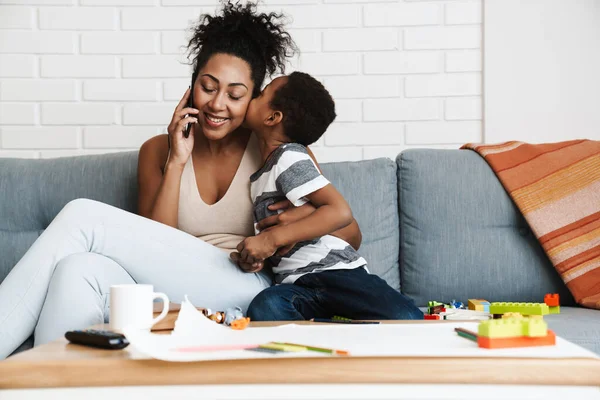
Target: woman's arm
x=160 y=166
x=158 y=184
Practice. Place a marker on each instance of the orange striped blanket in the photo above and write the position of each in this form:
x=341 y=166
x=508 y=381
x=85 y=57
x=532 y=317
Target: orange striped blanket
x=557 y=188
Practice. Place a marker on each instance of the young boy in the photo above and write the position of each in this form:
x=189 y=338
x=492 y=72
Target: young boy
x=322 y=275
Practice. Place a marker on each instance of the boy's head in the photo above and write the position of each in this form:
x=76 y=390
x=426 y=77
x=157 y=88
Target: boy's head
x=298 y=104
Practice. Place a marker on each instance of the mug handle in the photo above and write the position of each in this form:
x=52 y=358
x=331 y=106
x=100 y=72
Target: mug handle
x=165 y=309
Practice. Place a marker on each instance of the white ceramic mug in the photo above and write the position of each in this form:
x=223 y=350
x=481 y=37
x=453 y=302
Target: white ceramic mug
x=131 y=306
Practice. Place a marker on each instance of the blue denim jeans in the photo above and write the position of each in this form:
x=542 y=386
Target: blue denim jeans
x=351 y=293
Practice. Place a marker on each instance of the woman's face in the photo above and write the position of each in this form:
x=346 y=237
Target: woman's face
x=222 y=92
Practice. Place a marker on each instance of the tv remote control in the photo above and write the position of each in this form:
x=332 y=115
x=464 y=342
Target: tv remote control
x=97 y=338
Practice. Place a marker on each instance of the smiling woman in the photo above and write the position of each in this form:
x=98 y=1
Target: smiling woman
x=194 y=195
x=221 y=93
x=193 y=200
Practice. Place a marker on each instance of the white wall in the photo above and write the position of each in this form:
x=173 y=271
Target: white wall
x=542 y=70
x=92 y=76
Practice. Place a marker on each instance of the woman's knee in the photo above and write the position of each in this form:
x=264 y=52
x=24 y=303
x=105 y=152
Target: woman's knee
x=79 y=206
x=95 y=270
x=78 y=209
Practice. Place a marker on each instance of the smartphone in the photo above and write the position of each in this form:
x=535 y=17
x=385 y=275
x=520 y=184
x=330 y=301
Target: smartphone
x=190 y=104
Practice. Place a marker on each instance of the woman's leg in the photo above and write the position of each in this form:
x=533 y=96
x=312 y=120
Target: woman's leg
x=78 y=295
x=173 y=261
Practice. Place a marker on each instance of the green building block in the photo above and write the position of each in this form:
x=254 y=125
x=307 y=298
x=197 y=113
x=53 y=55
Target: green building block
x=523 y=308
x=554 y=310
x=513 y=327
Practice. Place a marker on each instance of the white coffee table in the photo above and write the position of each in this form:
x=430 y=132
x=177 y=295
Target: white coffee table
x=71 y=371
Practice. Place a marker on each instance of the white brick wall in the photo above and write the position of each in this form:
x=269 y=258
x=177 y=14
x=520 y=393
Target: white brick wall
x=94 y=76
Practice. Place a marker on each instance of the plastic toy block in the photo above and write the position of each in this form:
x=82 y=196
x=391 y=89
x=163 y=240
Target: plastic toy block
x=479 y=305
x=513 y=327
x=435 y=307
x=554 y=310
x=523 y=341
x=552 y=300
x=523 y=308
x=435 y=316
x=512 y=315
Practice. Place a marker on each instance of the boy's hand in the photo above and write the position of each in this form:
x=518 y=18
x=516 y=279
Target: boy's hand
x=257 y=248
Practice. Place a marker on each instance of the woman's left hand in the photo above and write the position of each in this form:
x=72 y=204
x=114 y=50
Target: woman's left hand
x=257 y=248
x=244 y=266
x=290 y=214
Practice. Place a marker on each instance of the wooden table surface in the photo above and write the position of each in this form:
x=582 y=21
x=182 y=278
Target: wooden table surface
x=60 y=364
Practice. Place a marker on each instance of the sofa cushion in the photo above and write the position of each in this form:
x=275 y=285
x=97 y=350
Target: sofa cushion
x=370 y=188
x=461 y=235
x=578 y=325
x=34 y=191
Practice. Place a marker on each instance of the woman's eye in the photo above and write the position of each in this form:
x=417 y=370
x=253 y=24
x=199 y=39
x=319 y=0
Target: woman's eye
x=207 y=90
x=234 y=97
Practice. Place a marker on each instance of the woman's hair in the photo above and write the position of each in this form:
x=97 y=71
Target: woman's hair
x=258 y=39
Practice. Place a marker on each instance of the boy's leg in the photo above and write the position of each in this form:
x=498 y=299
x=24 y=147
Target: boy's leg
x=357 y=294
x=287 y=302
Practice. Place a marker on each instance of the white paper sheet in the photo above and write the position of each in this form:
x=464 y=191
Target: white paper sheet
x=194 y=330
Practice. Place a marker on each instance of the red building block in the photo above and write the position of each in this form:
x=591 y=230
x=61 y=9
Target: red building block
x=523 y=341
x=551 y=300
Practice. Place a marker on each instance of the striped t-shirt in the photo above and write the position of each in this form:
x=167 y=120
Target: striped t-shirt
x=291 y=173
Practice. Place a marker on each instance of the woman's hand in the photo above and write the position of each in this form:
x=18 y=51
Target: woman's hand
x=290 y=214
x=257 y=248
x=181 y=147
x=244 y=266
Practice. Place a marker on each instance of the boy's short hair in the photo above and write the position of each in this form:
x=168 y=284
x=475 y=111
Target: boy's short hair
x=307 y=108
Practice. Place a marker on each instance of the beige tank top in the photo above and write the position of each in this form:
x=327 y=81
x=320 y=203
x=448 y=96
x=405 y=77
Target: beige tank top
x=230 y=220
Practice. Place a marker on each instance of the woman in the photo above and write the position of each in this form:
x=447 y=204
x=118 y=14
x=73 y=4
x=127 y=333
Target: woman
x=189 y=189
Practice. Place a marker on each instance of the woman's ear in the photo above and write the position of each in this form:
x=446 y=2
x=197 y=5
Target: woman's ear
x=274 y=118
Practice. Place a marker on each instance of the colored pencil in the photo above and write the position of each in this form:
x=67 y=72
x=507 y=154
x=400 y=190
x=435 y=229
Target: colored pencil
x=318 y=349
x=466 y=334
x=341 y=321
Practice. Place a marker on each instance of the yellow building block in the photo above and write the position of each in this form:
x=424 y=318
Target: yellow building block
x=523 y=308
x=554 y=310
x=479 y=305
x=513 y=327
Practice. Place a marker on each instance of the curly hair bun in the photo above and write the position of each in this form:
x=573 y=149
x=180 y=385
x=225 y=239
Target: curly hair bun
x=258 y=38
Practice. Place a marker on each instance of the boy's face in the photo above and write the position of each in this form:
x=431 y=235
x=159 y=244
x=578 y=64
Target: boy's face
x=260 y=109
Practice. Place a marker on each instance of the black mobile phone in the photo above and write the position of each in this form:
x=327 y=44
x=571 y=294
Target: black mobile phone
x=190 y=104
x=102 y=339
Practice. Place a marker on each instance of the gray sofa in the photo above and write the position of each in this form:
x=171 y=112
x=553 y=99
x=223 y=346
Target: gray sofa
x=436 y=224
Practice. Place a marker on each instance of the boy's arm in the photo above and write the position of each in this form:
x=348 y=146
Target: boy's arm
x=332 y=214
x=350 y=233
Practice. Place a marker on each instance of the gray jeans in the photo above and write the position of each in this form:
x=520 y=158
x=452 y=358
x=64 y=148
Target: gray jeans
x=63 y=280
